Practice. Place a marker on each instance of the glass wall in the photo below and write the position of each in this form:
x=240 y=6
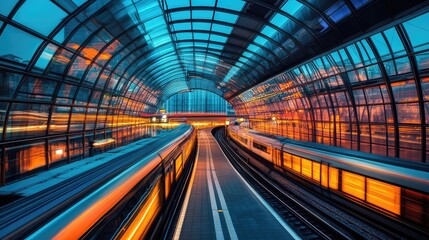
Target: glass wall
x=369 y=95
x=197 y=102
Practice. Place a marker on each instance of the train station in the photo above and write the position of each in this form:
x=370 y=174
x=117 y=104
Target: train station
x=214 y=119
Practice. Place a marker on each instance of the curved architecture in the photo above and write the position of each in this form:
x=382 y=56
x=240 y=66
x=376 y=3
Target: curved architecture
x=347 y=73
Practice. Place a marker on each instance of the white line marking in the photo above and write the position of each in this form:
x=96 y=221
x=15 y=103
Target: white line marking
x=272 y=211
x=179 y=226
x=216 y=218
x=228 y=220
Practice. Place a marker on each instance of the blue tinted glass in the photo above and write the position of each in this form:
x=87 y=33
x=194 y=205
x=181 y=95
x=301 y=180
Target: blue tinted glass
x=202 y=14
x=221 y=28
x=33 y=15
x=177 y=3
x=201 y=26
x=418 y=31
x=184 y=36
x=253 y=48
x=395 y=42
x=215 y=46
x=217 y=38
x=260 y=40
x=292 y=6
x=7 y=6
x=268 y=31
x=46 y=56
x=180 y=15
x=208 y=3
x=235 y=5
x=201 y=36
x=225 y=17
x=381 y=46
x=17 y=45
x=359 y=3
x=338 y=11
x=79 y=2
x=182 y=26
x=279 y=20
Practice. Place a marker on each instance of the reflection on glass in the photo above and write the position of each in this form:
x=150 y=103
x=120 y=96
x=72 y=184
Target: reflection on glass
x=24 y=158
x=27 y=120
x=33 y=14
x=46 y=56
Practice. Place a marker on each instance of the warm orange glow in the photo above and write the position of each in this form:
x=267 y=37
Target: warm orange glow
x=306 y=167
x=103 y=142
x=93 y=212
x=61 y=59
x=324 y=176
x=90 y=53
x=353 y=184
x=333 y=178
x=384 y=195
x=139 y=227
x=286 y=160
x=179 y=166
x=73 y=46
x=316 y=171
x=104 y=56
x=296 y=163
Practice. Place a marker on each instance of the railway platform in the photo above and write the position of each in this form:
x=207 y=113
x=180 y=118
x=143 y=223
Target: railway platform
x=219 y=204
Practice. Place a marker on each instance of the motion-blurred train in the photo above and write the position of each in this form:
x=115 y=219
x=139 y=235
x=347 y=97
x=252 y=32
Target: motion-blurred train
x=400 y=192
x=114 y=200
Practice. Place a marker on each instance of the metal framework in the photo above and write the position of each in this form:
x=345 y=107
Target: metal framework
x=94 y=67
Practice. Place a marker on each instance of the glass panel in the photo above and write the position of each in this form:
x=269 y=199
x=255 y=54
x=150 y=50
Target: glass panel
x=37 y=89
x=3 y=107
x=408 y=113
x=59 y=120
x=236 y=5
x=66 y=93
x=77 y=119
x=8 y=84
x=418 y=30
x=359 y=3
x=33 y=14
x=27 y=120
x=17 y=46
x=60 y=61
x=57 y=150
x=338 y=11
x=24 y=158
x=46 y=56
x=404 y=91
x=422 y=61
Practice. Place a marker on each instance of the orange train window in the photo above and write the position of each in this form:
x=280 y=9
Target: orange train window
x=296 y=163
x=384 y=195
x=316 y=171
x=353 y=184
x=324 y=175
x=287 y=160
x=306 y=167
x=333 y=178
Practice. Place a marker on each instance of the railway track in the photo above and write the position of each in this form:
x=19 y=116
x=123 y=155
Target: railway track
x=308 y=221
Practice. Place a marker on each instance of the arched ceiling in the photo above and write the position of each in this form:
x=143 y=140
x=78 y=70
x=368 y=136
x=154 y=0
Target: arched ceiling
x=169 y=46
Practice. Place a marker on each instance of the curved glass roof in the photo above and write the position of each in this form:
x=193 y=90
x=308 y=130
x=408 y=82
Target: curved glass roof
x=163 y=47
x=350 y=73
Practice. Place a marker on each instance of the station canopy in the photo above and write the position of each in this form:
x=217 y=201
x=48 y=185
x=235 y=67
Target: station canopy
x=171 y=46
